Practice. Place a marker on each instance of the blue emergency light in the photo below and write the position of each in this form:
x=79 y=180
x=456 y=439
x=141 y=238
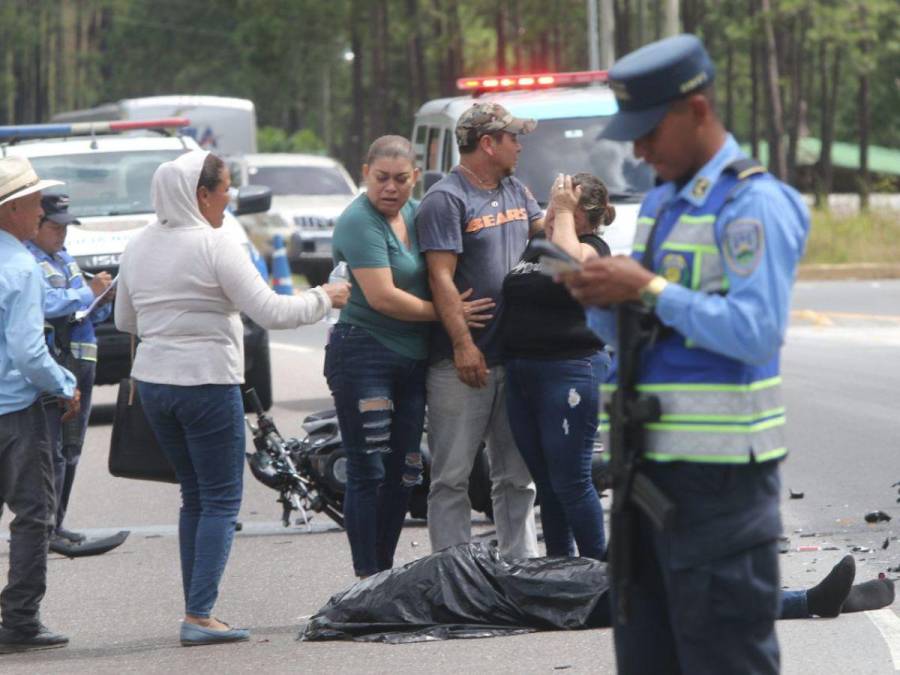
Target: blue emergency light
x=25 y=131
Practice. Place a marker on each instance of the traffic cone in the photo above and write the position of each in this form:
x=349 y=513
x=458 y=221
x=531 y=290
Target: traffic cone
x=281 y=271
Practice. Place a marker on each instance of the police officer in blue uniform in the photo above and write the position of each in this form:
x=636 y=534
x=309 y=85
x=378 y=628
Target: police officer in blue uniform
x=72 y=342
x=715 y=256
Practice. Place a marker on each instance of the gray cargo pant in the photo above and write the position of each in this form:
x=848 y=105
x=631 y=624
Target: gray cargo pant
x=26 y=488
x=459 y=419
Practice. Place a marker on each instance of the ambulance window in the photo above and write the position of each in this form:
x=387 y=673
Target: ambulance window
x=434 y=147
x=420 y=135
x=419 y=144
x=447 y=159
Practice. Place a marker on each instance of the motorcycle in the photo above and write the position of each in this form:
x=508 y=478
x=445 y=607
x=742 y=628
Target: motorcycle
x=310 y=474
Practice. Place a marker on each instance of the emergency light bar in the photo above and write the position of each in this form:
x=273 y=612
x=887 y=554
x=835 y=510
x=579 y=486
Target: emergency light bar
x=510 y=82
x=24 y=131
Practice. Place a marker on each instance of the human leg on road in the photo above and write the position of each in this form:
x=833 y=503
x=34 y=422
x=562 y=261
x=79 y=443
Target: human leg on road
x=512 y=489
x=201 y=430
x=380 y=400
x=26 y=487
x=559 y=424
x=72 y=440
x=458 y=418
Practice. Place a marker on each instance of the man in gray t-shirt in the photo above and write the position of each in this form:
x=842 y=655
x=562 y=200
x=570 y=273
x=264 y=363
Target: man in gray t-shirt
x=473 y=226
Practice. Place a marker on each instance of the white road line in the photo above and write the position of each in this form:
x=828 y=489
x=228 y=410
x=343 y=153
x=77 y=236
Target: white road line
x=300 y=349
x=888 y=624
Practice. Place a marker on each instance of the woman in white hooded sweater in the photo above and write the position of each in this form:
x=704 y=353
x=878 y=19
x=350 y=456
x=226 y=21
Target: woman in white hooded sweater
x=182 y=283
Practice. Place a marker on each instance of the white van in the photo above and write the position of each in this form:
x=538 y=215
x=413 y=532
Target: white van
x=570 y=119
x=220 y=124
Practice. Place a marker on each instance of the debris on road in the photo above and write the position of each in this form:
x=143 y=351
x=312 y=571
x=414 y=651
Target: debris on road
x=795 y=495
x=877 y=517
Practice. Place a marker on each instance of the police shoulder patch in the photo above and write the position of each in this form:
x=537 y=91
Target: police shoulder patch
x=743 y=245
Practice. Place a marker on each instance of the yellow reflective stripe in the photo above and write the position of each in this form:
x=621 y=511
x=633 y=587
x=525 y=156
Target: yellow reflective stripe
x=745 y=458
x=646 y=220
x=639 y=247
x=737 y=419
x=710 y=218
x=718 y=428
x=753 y=386
x=697 y=271
x=690 y=248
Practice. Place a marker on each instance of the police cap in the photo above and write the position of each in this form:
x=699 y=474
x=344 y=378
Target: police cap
x=647 y=81
x=56 y=209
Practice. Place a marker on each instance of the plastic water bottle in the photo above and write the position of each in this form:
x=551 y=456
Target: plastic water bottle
x=340 y=273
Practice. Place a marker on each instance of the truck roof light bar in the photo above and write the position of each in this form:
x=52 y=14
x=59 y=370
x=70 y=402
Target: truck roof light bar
x=530 y=81
x=11 y=134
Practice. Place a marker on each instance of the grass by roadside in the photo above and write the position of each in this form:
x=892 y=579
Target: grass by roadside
x=838 y=238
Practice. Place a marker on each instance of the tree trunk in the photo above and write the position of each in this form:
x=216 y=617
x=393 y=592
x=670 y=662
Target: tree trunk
x=672 y=24
x=828 y=107
x=500 y=27
x=754 y=87
x=777 y=164
x=863 y=114
x=455 y=47
x=380 y=45
x=517 y=36
x=621 y=29
x=353 y=155
x=798 y=43
x=729 y=85
x=418 y=85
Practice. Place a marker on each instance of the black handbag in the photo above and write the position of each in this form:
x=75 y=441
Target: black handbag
x=134 y=451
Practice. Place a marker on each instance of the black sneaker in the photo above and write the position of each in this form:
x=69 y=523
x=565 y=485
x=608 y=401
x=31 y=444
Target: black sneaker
x=74 y=537
x=12 y=641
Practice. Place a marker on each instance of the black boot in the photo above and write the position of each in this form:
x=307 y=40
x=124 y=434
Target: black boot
x=24 y=641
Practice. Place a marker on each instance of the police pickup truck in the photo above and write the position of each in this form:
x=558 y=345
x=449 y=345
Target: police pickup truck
x=107 y=168
x=571 y=109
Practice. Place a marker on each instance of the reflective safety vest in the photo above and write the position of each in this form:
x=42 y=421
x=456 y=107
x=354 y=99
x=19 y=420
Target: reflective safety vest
x=715 y=409
x=63 y=337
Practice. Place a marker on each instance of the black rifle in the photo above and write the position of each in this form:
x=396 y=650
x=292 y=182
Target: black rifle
x=629 y=411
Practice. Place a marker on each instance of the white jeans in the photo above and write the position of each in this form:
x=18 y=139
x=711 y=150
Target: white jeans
x=459 y=419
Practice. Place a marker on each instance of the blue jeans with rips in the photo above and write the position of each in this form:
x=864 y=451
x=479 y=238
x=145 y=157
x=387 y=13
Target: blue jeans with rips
x=552 y=407
x=379 y=395
x=201 y=430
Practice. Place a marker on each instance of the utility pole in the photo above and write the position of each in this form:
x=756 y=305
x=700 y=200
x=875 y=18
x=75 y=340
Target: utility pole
x=608 y=27
x=593 y=38
x=672 y=25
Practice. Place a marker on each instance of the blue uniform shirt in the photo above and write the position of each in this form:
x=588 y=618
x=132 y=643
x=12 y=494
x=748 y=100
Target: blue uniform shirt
x=26 y=368
x=748 y=323
x=75 y=295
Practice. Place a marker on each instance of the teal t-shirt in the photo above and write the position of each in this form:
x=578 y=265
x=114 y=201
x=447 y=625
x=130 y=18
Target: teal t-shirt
x=364 y=239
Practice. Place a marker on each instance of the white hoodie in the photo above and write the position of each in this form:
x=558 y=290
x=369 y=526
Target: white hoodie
x=182 y=284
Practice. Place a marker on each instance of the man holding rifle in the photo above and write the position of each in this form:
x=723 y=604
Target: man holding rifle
x=698 y=317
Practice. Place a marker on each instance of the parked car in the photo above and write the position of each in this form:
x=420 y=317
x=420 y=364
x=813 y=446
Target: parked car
x=309 y=192
x=108 y=180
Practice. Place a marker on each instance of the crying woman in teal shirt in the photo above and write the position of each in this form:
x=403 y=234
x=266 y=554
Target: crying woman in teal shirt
x=376 y=358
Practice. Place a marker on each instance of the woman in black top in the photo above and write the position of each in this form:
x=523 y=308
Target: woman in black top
x=554 y=367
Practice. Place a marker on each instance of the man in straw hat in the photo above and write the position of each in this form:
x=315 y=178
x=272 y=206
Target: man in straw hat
x=27 y=373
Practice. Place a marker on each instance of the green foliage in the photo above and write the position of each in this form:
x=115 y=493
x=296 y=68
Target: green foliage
x=273 y=139
x=853 y=238
x=287 y=56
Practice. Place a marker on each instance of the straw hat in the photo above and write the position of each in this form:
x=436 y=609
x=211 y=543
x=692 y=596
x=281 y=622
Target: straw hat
x=18 y=179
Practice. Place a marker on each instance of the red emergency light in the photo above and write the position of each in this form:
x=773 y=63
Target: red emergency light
x=531 y=81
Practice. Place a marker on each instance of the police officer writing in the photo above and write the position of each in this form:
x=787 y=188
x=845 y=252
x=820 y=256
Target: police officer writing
x=714 y=260
x=72 y=343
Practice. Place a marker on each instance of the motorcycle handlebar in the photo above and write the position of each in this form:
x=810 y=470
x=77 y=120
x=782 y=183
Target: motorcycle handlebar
x=254 y=401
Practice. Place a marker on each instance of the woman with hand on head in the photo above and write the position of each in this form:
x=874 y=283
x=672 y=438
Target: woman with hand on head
x=376 y=357
x=555 y=365
x=182 y=283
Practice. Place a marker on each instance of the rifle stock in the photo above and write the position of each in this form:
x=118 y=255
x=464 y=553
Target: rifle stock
x=629 y=411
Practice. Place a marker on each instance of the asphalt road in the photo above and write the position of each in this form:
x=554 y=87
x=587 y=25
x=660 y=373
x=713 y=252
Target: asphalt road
x=122 y=609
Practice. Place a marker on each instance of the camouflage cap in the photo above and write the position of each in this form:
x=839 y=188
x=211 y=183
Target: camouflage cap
x=486 y=118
